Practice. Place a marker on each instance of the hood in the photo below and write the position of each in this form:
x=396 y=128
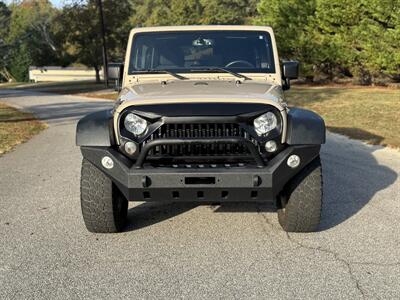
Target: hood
x=202 y=90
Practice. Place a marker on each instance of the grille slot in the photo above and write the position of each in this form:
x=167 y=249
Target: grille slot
x=199 y=130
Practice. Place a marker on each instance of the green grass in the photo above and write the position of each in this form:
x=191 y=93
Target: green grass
x=16 y=127
x=368 y=114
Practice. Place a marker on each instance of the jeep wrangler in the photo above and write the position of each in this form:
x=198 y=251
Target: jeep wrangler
x=201 y=116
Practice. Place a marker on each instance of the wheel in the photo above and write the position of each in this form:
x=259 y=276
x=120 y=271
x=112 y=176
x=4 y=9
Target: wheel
x=299 y=208
x=104 y=208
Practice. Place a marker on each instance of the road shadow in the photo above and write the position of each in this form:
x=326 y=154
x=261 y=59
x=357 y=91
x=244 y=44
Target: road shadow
x=62 y=111
x=150 y=213
x=61 y=88
x=352 y=177
x=358 y=134
x=68 y=110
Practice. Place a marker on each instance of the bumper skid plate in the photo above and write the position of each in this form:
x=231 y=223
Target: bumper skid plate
x=201 y=184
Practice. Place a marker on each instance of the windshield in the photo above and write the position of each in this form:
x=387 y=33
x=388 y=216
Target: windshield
x=193 y=51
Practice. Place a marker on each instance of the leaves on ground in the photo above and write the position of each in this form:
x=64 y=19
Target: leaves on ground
x=16 y=127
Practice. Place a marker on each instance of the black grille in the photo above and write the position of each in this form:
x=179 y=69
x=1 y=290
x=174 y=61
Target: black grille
x=199 y=130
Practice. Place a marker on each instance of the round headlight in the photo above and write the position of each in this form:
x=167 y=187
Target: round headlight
x=265 y=123
x=135 y=124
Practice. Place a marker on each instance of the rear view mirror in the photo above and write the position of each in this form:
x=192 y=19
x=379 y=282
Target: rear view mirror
x=290 y=70
x=115 y=72
x=200 y=42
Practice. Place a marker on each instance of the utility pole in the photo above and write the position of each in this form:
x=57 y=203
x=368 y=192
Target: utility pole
x=103 y=37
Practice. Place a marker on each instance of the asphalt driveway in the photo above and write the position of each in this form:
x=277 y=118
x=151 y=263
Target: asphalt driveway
x=185 y=250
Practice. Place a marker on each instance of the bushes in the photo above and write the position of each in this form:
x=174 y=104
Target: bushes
x=334 y=38
x=20 y=61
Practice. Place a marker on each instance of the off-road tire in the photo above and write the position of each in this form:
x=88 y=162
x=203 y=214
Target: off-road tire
x=299 y=208
x=104 y=208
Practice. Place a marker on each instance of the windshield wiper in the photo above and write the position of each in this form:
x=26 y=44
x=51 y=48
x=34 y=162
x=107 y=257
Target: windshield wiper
x=221 y=69
x=153 y=71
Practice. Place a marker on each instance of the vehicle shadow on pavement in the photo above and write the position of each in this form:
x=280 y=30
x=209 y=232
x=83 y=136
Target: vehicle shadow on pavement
x=248 y=207
x=352 y=177
x=150 y=213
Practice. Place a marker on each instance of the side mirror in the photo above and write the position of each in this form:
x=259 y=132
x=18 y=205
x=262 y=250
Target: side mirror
x=115 y=72
x=290 y=70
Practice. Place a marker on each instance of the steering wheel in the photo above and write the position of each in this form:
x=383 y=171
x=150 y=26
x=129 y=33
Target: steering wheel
x=243 y=62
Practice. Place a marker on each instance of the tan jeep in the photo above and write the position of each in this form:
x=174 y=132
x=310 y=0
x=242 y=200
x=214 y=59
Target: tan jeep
x=202 y=117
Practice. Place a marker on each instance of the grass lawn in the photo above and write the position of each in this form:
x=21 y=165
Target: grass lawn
x=16 y=127
x=108 y=96
x=368 y=114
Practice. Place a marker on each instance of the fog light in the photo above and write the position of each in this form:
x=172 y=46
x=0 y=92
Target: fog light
x=130 y=148
x=293 y=161
x=107 y=162
x=270 y=146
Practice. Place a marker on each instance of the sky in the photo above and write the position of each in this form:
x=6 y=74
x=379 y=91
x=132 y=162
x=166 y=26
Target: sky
x=56 y=3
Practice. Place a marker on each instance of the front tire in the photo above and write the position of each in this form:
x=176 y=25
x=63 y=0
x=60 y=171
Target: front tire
x=299 y=208
x=104 y=208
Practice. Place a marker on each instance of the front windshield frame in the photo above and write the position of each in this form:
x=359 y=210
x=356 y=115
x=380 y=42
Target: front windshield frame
x=132 y=70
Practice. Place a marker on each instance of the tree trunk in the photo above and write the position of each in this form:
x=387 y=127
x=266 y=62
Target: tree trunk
x=96 y=68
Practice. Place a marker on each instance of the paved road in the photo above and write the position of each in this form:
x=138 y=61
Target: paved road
x=189 y=251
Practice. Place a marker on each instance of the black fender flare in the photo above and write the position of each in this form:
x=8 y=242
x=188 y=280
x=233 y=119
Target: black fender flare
x=305 y=128
x=95 y=129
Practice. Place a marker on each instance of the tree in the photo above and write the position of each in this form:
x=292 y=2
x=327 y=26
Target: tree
x=29 y=36
x=192 y=12
x=5 y=49
x=82 y=41
x=150 y=12
x=186 y=12
x=227 y=11
x=5 y=14
x=292 y=21
x=366 y=35
x=359 y=38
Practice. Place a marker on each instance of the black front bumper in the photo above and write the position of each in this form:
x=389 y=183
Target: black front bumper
x=255 y=183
